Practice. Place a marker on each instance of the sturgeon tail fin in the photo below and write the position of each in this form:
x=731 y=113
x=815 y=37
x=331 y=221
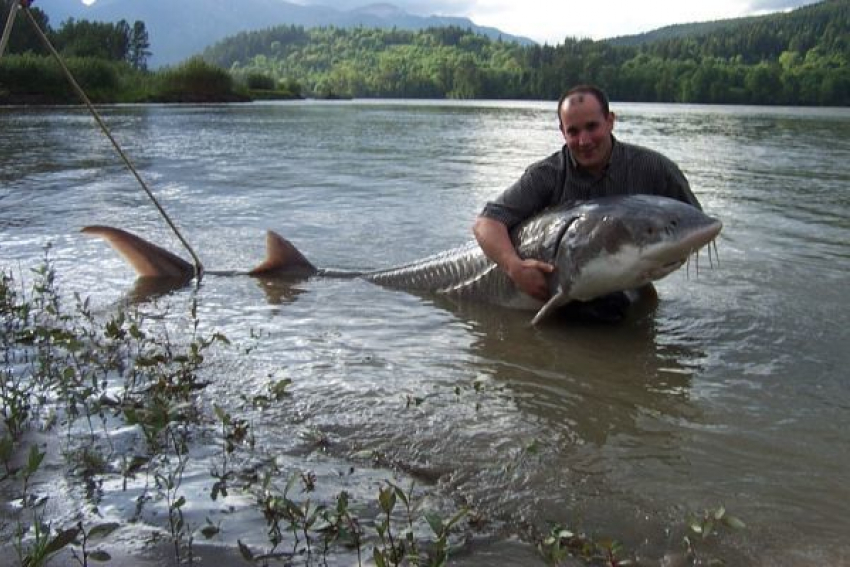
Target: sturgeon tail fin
x=282 y=258
x=149 y=260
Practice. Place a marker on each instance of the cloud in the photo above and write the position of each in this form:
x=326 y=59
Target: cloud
x=776 y=5
x=554 y=20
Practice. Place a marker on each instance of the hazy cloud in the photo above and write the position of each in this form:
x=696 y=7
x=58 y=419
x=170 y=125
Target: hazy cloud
x=554 y=20
x=776 y=5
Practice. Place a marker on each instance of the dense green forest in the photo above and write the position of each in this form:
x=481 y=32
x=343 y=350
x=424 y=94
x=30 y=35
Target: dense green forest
x=798 y=58
x=802 y=57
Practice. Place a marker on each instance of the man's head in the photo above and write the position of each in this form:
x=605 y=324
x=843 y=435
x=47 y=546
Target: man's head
x=586 y=124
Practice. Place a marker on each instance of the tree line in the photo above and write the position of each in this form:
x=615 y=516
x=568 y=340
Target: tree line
x=799 y=58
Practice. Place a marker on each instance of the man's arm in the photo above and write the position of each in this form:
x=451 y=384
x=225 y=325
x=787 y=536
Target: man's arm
x=528 y=275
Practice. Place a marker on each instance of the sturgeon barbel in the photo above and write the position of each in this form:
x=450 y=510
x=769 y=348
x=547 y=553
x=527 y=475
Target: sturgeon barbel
x=598 y=247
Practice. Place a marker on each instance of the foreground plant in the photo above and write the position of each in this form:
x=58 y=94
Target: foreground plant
x=562 y=543
x=706 y=525
x=318 y=527
x=67 y=366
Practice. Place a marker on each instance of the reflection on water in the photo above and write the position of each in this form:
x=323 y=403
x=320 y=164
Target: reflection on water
x=593 y=396
x=278 y=291
x=730 y=389
x=147 y=290
x=281 y=291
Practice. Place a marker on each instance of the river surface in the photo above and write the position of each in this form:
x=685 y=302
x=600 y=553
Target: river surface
x=732 y=391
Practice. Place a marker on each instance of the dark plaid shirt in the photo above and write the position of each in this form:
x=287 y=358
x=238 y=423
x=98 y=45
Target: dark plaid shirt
x=558 y=180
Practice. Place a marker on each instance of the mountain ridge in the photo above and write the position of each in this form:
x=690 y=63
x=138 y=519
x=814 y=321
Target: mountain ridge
x=177 y=33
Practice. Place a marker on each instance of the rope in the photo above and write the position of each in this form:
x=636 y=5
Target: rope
x=199 y=269
x=7 y=31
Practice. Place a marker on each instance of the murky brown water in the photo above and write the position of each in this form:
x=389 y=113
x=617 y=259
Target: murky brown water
x=732 y=390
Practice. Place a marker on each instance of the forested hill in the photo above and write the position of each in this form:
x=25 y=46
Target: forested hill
x=824 y=25
x=677 y=31
x=815 y=17
x=802 y=57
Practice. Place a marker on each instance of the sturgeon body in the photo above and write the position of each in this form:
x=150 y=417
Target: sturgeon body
x=598 y=247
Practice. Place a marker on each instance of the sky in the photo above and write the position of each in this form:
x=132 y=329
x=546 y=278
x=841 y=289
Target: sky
x=552 y=21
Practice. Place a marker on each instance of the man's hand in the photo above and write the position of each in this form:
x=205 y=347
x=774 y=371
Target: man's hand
x=530 y=277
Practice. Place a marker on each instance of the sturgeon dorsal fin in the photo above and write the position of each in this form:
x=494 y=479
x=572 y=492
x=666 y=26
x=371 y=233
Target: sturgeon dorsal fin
x=282 y=257
x=149 y=260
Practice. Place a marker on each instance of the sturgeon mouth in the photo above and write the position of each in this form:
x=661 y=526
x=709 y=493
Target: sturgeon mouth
x=688 y=245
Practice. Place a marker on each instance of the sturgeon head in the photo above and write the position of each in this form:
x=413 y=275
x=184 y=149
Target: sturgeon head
x=622 y=243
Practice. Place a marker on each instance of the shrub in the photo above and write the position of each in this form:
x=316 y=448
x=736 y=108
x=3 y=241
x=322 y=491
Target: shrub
x=26 y=77
x=258 y=81
x=195 y=81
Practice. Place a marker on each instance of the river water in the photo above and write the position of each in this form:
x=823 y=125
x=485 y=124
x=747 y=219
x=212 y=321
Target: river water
x=732 y=391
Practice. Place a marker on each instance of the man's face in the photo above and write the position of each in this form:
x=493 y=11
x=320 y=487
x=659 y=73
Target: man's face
x=587 y=131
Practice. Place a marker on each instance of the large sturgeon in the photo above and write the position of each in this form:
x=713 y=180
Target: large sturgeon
x=598 y=247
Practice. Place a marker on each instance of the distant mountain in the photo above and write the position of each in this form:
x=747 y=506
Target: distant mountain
x=179 y=29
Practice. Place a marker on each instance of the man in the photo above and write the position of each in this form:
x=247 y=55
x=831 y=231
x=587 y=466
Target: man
x=591 y=164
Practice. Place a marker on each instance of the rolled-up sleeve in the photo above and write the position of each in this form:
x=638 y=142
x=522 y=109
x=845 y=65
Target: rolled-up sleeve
x=531 y=193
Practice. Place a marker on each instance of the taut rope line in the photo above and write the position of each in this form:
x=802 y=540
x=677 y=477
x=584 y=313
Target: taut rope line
x=7 y=30
x=199 y=269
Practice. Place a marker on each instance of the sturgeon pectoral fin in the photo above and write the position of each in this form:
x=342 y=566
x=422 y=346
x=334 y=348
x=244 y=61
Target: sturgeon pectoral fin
x=557 y=300
x=149 y=260
x=282 y=258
